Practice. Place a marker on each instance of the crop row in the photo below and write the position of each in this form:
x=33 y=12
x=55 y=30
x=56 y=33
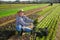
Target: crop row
x=51 y=22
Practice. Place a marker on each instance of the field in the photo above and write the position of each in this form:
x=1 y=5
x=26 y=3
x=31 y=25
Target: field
x=12 y=9
x=48 y=16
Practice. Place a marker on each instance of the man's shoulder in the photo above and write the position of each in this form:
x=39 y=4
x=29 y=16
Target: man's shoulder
x=24 y=16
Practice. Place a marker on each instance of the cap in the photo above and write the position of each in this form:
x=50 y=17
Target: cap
x=21 y=10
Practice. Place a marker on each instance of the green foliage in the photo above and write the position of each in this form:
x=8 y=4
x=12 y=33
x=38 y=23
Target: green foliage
x=50 y=21
x=35 y=22
x=14 y=10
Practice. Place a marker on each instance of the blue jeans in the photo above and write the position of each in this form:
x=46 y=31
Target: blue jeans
x=26 y=29
x=20 y=30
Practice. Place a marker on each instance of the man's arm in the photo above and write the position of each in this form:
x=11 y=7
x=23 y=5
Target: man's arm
x=28 y=20
x=21 y=21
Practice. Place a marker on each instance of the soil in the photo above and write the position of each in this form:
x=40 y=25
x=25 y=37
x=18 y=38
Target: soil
x=58 y=32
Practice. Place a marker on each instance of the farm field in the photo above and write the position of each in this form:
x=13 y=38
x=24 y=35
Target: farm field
x=48 y=16
x=13 y=10
x=51 y=22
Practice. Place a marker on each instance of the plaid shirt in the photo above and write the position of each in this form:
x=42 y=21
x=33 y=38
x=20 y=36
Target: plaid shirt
x=23 y=21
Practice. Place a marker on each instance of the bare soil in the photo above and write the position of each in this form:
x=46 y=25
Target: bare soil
x=58 y=32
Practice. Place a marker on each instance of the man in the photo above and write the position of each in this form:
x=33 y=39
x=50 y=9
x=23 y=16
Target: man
x=22 y=22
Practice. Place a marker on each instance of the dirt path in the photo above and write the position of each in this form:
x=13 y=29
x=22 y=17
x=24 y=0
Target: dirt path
x=24 y=37
x=58 y=32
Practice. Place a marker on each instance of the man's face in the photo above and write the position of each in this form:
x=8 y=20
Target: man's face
x=21 y=14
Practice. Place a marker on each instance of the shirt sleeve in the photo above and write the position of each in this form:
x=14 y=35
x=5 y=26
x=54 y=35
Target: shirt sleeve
x=21 y=21
x=28 y=20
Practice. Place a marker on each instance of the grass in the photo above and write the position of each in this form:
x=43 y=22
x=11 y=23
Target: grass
x=13 y=11
x=11 y=6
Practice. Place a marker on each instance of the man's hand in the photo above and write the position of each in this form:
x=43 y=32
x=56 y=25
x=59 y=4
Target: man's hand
x=31 y=25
